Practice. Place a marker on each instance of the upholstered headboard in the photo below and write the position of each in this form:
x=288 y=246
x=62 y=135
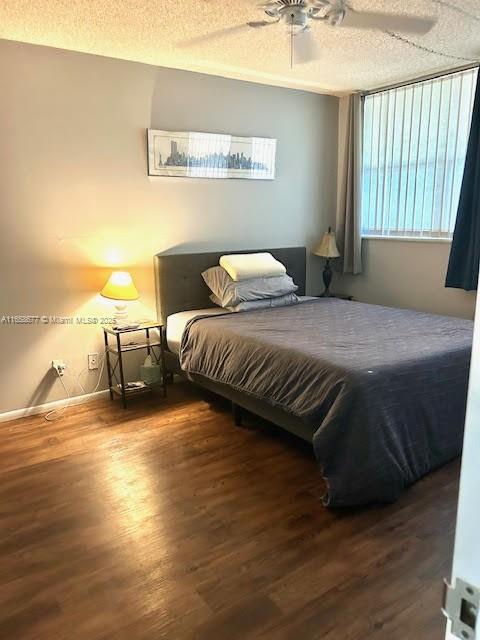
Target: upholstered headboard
x=180 y=287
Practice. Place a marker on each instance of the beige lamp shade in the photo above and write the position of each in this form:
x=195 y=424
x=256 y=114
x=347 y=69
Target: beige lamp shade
x=327 y=247
x=120 y=286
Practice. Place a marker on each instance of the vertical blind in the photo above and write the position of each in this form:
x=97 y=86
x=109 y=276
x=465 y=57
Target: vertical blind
x=414 y=146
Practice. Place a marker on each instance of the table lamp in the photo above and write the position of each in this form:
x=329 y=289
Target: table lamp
x=327 y=249
x=120 y=287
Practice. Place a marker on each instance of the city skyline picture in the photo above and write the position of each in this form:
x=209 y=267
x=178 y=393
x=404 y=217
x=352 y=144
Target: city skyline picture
x=210 y=155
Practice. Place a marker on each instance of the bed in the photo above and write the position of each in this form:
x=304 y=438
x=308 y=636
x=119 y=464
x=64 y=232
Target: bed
x=379 y=392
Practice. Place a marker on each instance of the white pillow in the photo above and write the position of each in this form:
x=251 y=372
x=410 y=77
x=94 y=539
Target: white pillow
x=243 y=266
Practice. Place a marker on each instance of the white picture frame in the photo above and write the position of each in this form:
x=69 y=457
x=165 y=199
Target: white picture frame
x=192 y=154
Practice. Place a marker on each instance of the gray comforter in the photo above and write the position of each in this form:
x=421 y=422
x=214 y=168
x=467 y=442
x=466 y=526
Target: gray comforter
x=383 y=389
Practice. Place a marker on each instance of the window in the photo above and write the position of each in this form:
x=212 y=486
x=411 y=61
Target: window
x=414 y=147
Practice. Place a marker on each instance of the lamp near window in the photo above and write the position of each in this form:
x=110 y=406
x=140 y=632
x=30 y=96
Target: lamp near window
x=120 y=287
x=327 y=249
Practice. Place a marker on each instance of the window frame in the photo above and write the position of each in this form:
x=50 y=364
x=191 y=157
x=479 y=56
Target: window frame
x=422 y=234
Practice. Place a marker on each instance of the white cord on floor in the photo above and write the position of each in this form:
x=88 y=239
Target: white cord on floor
x=56 y=414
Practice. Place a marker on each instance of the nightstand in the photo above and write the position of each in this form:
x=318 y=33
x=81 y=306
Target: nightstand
x=340 y=296
x=117 y=348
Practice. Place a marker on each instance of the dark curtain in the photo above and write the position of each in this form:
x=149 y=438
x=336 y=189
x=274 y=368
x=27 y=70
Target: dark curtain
x=465 y=254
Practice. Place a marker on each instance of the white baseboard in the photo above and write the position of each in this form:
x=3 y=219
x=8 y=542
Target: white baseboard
x=50 y=406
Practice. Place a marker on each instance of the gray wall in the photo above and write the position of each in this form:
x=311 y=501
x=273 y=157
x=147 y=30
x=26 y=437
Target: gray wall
x=408 y=274
x=75 y=199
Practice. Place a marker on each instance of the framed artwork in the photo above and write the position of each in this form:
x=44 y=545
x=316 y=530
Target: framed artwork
x=190 y=154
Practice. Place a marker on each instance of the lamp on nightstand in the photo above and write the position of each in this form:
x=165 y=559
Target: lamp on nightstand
x=327 y=249
x=120 y=287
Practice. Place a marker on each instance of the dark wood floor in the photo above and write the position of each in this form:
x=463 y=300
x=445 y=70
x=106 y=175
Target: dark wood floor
x=166 y=521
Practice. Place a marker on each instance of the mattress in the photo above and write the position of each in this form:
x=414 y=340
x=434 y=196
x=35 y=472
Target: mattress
x=177 y=322
x=383 y=389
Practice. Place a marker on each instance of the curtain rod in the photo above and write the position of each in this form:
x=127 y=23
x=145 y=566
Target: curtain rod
x=432 y=76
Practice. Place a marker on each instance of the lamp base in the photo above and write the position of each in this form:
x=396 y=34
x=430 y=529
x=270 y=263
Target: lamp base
x=327 y=278
x=121 y=313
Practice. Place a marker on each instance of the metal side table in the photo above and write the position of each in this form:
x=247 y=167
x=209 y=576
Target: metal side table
x=117 y=349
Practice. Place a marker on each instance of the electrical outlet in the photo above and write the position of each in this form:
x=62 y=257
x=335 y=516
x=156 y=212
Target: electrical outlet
x=92 y=361
x=59 y=366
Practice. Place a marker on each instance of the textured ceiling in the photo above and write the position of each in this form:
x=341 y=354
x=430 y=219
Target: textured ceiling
x=169 y=33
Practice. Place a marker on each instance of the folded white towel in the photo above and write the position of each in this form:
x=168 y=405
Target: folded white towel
x=243 y=266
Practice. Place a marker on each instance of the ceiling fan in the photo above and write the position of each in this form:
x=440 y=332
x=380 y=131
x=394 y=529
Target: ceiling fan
x=299 y=15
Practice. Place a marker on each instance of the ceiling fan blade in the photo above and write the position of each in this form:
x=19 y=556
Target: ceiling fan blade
x=305 y=48
x=388 y=22
x=213 y=35
x=272 y=9
x=258 y=24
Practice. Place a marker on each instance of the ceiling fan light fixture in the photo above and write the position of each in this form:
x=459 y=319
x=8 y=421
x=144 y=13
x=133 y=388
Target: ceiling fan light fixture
x=297 y=19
